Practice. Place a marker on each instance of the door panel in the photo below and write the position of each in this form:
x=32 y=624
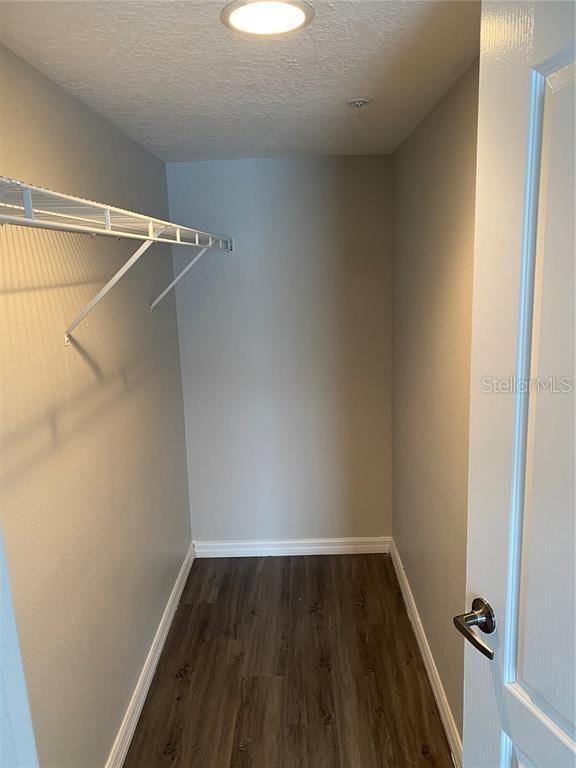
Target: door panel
x=520 y=761
x=519 y=708
x=546 y=636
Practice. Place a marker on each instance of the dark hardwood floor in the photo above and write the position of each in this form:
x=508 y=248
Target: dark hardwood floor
x=290 y=662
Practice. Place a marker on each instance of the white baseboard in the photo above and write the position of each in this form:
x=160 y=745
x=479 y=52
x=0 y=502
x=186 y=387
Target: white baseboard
x=124 y=737
x=446 y=715
x=350 y=546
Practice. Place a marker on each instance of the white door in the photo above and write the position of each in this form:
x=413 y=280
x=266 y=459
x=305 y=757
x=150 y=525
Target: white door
x=17 y=745
x=519 y=707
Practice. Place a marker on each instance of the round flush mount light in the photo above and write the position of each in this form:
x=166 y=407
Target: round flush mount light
x=267 y=17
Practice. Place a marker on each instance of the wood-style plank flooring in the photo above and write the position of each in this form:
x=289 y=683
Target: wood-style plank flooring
x=290 y=662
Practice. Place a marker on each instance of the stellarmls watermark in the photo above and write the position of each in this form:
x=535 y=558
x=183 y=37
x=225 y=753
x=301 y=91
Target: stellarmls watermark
x=554 y=385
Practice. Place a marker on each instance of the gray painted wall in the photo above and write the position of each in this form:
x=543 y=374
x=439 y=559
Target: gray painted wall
x=434 y=226
x=287 y=365
x=286 y=347
x=93 y=490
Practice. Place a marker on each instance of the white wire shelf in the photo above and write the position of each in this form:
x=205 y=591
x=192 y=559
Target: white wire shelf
x=30 y=206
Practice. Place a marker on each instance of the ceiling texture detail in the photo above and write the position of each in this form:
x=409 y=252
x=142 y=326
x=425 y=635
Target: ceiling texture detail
x=171 y=76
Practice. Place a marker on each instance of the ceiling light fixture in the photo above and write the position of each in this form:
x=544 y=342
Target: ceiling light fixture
x=267 y=17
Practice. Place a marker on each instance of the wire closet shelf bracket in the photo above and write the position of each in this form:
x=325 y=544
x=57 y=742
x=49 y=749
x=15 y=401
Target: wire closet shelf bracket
x=30 y=206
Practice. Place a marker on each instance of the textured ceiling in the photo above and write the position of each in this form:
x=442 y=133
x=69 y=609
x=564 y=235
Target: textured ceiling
x=183 y=85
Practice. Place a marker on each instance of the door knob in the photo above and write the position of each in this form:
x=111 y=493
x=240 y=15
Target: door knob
x=481 y=616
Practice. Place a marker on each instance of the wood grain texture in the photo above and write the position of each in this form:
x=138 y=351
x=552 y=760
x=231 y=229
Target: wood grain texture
x=290 y=662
